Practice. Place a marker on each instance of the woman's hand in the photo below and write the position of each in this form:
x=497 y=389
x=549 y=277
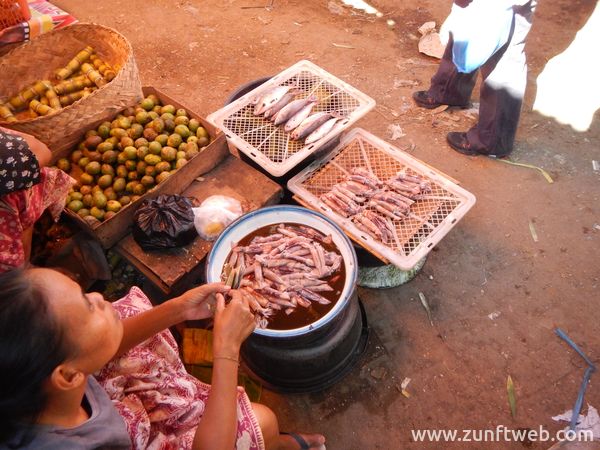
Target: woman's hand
x=233 y=324
x=198 y=303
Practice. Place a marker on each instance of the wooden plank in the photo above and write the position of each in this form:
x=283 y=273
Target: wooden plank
x=169 y=269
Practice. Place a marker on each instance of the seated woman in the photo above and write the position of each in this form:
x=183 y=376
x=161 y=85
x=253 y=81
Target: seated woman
x=27 y=189
x=53 y=337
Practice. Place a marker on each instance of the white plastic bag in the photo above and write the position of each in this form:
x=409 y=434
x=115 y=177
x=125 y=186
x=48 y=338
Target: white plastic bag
x=214 y=214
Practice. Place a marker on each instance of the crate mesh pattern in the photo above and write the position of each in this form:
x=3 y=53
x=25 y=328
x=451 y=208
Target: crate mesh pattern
x=427 y=217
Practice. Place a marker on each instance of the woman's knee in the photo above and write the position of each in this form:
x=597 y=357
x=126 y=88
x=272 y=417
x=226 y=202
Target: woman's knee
x=267 y=421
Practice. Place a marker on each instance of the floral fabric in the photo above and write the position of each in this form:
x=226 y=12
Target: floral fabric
x=19 y=168
x=19 y=210
x=160 y=402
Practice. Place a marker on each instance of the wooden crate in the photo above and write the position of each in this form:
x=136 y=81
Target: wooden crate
x=110 y=231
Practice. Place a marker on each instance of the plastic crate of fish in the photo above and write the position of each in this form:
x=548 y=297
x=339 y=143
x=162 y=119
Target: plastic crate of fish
x=392 y=204
x=273 y=147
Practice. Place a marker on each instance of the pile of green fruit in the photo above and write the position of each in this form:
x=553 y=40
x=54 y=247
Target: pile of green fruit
x=125 y=158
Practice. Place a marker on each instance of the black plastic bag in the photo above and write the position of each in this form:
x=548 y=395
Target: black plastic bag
x=164 y=222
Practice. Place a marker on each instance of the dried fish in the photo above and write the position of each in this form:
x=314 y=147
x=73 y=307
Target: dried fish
x=270 y=98
x=322 y=131
x=300 y=116
x=310 y=124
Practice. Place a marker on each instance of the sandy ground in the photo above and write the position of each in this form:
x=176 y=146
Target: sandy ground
x=201 y=51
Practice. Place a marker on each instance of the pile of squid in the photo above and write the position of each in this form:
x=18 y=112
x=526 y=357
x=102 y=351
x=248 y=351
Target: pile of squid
x=283 y=271
x=281 y=107
x=373 y=204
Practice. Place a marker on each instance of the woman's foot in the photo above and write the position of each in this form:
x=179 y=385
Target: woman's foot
x=295 y=441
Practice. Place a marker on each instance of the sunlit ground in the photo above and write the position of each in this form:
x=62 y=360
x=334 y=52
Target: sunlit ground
x=568 y=89
x=364 y=6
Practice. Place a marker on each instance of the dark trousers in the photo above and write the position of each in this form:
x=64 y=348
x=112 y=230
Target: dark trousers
x=501 y=96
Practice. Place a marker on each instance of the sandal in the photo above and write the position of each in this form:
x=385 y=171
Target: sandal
x=301 y=441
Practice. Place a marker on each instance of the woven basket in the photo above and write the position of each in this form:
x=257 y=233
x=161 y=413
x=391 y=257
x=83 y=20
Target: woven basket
x=40 y=58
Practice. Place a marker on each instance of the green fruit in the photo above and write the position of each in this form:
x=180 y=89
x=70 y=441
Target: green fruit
x=109 y=214
x=131 y=185
x=93 y=141
x=96 y=189
x=124 y=123
x=113 y=206
x=183 y=131
x=130 y=165
x=76 y=156
x=110 y=157
x=76 y=195
x=129 y=111
x=182 y=147
x=93 y=168
x=162 y=139
x=169 y=125
x=125 y=200
x=191 y=146
x=121 y=171
x=88 y=200
x=147 y=104
x=84 y=190
x=147 y=180
x=141 y=168
x=121 y=158
x=203 y=141
x=157 y=109
x=162 y=167
x=161 y=177
x=104 y=131
x=105 y=181
x=134 y=198
x=152 y=160
x=125 y=142
x=168 y=109
x=132 y=176
x=180 y=163
x=83 y=212
x=167 y=116
x=113 y=140
x=139 y=189
x=192 y=138
x=168 y=154
x=182 y=120
x=142 y=152
x=97 y=213
x=86 y=178
x=201 y=132
x=180 y=154
x=110 y=194
x=100 y=200
x=158 y=125
x=154 y=98
x=107 y=169
x=142 y=118
x=104 y=147
x=154 y=147
x=181 y=112
x=94 y=156
x=191 y=151
x=63 y=164
x=119 y=184
x=140 y=142
x=130 y=152
x=151 y=171
x=135 y=131
x=118 y=133
x=193 y=125
x=83 y=162
x=174 y=140
x=81 y=146
x=153 y=115
x=149 y=134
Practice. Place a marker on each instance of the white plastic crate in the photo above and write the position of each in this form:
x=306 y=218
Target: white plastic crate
x=429 y=219
x=270 y=146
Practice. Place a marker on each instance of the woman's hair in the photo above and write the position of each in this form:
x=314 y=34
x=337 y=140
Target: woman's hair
x=32 y=345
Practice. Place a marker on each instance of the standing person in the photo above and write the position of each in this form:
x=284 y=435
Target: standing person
x=504 y=77
x=53 y=337
x=27 y=189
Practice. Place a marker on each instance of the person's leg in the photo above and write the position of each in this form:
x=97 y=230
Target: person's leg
x=502 y=91
x=448 y=85
x=267 y=420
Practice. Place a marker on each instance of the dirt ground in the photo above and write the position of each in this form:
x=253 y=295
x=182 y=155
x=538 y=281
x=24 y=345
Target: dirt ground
x=488 y=264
